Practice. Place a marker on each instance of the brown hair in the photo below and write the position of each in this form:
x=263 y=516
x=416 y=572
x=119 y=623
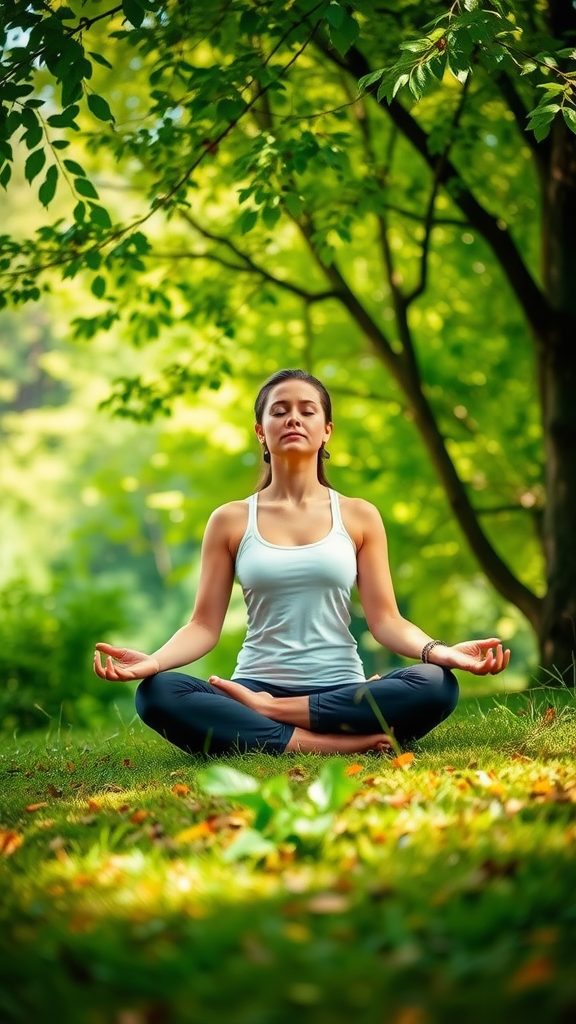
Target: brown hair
x=265 y=477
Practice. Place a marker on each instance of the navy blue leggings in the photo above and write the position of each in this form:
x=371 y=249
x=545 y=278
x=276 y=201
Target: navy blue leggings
x=201 y=720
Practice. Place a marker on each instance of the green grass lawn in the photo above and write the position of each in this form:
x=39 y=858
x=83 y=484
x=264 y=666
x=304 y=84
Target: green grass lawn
x=142 y=886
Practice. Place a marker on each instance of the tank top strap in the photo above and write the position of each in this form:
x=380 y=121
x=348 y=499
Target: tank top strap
x=252 y=513
x=337 y=521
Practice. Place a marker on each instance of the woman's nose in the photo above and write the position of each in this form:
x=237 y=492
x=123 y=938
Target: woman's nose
x=293 y=417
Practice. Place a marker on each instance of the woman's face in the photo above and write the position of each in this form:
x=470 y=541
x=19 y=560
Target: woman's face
x=293 y=419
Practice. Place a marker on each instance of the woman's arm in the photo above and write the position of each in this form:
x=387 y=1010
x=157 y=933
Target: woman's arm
x=390 y=628
x=201 y=634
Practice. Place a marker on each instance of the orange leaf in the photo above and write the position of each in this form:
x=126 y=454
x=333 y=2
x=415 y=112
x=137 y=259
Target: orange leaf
x=542 y=787
x=353 y=769
x=93 y=805
x=180 y=789
x=403 y=760
x=550 y=716
x=71 y=766
x=52 y=791
x=9 y=842
x=128 y=763
x=536 y=971
x=138 y=817
x=36 y=807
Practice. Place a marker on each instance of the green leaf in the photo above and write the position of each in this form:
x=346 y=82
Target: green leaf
x=220 y=780
x=66 y=119
x=74 y=168
x=229 y=109
x=99 y=107
x=270 y=215
x=343 y=37
x=60 y=144
x=98 y=286
x=85 y=188
x=553 y=88
x=368 y=80
x=293 y=204
x=79 y=212
x=5 y=175
x=248 y=220
x=334 y=14
x=333 y=787
x=34 y=164
x=133 y=12
x=569 y=115
x=248 y=843
x=101 y=60
x=48 y=187
x=100 y=216
x=33 y=137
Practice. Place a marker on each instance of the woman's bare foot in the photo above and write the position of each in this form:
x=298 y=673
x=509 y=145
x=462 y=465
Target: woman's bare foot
x=261 y=702
x=289 y=710
x=306 y=742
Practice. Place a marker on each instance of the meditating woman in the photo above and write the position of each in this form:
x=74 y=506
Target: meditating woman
x=297 y=548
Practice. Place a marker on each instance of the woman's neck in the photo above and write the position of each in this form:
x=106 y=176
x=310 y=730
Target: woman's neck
x=295 y=486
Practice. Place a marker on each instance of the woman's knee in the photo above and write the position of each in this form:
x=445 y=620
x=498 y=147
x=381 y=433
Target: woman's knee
x=156 y=693
x=441 y=687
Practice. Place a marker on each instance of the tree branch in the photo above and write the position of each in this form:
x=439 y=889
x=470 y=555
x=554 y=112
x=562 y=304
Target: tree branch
x=249 y=265
x=530 y=297
x=403 y=371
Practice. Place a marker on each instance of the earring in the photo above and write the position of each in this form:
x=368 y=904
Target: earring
x=323 y=453
x=266 y=454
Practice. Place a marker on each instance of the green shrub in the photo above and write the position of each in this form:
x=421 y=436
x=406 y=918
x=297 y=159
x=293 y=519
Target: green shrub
x=46 y=651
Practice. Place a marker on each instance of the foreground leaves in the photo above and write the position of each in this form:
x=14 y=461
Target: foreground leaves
x=442 y=888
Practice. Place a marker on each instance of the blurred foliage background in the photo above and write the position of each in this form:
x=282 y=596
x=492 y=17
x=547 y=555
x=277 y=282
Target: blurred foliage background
x=104 y=498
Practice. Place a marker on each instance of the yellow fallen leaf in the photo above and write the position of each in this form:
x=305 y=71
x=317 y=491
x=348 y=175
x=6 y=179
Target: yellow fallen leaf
x=353 y=769
x=138 y=817
x=36 y=807
x=189 y=835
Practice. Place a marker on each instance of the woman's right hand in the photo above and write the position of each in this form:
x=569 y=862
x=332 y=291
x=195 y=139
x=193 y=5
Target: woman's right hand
x=123 y=664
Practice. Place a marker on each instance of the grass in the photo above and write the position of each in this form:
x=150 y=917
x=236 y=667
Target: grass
x=142 y=886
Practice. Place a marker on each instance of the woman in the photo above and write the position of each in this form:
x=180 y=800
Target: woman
x=297 y=548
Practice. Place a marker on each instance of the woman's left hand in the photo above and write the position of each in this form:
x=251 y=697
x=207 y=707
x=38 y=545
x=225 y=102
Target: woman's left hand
x=481 y=657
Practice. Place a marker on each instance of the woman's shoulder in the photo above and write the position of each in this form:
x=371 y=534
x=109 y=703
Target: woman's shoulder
x=361 y=519
x=231 y=513
x=359 y=507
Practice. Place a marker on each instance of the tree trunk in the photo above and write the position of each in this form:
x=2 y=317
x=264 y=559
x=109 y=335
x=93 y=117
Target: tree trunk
x=557 y=368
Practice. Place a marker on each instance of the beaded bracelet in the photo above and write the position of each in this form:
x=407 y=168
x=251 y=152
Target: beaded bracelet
x=428 y=647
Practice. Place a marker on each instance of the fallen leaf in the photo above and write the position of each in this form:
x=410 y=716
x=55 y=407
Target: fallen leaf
x=328 y=903
x=403 y=760
x=550 y=716
x=138 y=817
x=189 y=835
x=542 y=787
x=181 y=789
x=179 y=771
x=449 y=768
x=9 y=842
x=52 y=791
x=42 y=767
x=111 y=787
x=216 y=822
x=128 y=763
x=399 y=799
x=297 y=773
x=409 y=1015
x=36 y=807
x=71 y=766
x=93 y=805
x=536 y=971
x=353 y=769
x=521 y=757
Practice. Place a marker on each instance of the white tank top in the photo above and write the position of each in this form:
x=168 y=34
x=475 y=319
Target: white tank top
x=298 y=601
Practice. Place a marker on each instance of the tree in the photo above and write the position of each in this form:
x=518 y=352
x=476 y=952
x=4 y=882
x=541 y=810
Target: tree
x=451 y=143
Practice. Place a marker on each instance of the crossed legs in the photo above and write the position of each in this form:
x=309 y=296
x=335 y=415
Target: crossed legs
x=230 y=716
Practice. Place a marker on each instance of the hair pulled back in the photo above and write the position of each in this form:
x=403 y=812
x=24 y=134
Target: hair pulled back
x=260 y=404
